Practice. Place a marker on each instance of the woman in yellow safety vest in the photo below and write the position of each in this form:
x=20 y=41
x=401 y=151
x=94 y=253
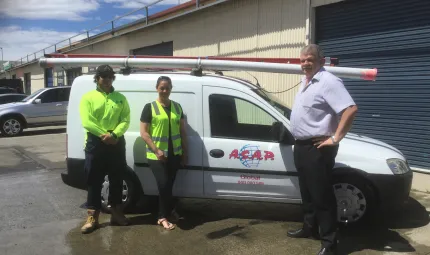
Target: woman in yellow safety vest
x=162 y=127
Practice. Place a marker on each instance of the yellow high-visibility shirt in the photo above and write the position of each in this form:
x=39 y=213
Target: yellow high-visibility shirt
x=101 y=112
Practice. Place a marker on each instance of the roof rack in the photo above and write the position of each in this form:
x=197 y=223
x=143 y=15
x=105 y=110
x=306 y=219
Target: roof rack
x=197 y=64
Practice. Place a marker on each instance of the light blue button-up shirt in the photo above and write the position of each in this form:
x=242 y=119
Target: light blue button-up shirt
x=317 y=106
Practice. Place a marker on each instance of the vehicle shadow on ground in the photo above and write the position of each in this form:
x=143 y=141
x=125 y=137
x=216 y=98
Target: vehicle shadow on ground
x=36 y=132
x=50 y=131
x=196 y=212
x=254 y=212
x=377 y=233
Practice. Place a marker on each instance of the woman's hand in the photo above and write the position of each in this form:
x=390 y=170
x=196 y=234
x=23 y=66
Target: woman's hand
x=160 y=155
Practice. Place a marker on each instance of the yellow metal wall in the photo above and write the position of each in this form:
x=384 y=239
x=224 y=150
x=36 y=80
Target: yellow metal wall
x=116 y=45
x=247 y=28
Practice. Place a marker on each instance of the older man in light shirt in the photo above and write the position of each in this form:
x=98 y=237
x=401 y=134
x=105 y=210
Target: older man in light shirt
x=322 y=114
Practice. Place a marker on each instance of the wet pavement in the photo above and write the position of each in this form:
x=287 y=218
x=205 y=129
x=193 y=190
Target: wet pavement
x=41 y=215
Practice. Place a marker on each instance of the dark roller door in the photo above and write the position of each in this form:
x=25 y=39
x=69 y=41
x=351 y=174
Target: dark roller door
x=393 y=36
x=161 y=49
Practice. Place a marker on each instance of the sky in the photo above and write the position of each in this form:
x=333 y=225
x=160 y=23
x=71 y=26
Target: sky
x=28 y=26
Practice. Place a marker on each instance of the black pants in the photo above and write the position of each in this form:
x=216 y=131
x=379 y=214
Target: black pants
x=165 y=175
x=315 y=178
x=102 y=159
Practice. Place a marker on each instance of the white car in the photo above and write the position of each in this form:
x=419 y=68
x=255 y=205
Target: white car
x=240 y=148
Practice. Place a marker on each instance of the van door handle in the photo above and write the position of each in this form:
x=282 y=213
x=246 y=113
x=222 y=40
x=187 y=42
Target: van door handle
x=58 y=104
x=216 y=153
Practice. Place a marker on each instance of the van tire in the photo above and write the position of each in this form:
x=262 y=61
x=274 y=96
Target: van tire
x=132 y=185
x=14 y=119
x=359 y=196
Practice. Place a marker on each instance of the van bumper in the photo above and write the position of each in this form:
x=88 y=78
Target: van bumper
x=74 y=176
x=393 y=190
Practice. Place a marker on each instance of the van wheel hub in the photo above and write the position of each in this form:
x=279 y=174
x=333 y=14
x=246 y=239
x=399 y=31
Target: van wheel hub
x=105 y=192
x=344 y=204
x=351 y=202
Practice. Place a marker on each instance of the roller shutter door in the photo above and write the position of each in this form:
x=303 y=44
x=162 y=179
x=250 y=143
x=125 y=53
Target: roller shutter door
x=161 y=49
x=393 y=36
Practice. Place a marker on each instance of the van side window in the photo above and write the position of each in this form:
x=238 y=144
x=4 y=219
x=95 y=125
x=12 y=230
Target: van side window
x=237 y=118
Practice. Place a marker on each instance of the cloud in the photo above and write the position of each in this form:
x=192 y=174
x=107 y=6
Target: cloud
x=72 y=10
x=17 y=42
x=134 y=4
x=131 y=17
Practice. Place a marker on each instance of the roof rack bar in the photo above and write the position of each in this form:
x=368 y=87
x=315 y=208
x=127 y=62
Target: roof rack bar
x=205 y=63
x=329 y=61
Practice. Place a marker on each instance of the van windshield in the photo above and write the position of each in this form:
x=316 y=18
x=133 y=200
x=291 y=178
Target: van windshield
x=275 y=102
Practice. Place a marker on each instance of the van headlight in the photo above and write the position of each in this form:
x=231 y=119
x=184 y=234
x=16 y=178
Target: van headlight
x=398 y=166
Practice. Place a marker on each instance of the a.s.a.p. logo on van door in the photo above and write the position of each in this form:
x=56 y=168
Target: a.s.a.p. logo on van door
x=251 y=155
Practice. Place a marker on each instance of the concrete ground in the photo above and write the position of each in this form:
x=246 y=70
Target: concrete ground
x=421 y=182
x=41 y=215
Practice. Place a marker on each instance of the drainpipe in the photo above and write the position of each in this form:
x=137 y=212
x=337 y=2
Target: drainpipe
x=308 y=22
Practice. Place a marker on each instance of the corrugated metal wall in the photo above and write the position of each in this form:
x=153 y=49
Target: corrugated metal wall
x=396 y=40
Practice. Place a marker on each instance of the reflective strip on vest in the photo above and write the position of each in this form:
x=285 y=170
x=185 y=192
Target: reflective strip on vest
x=176 y=107
x=176 y=137
x=174 y=150
x=165 y=139
x=149 y=150
x=160 y=139
x=178 y=149
x=157 y=111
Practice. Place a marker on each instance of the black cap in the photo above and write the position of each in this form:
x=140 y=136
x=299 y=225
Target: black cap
x=104 y=69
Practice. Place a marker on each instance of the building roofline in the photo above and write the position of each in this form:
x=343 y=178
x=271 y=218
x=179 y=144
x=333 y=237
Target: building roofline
x=157 y=18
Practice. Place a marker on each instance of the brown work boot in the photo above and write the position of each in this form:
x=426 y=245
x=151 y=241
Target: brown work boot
x=92 y=222
x=117 y=216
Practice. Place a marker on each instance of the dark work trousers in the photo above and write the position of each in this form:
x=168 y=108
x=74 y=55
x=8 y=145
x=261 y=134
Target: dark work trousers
x=315 y=179
x=165 y=175
x=101 y=160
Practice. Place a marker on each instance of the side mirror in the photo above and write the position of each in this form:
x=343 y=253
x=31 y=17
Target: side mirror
x=281 y=134
x=38 y=101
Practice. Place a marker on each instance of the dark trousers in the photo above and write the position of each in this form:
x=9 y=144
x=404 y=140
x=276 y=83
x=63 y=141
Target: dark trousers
x=165 y=175
x=102 y=160
x=315 y=178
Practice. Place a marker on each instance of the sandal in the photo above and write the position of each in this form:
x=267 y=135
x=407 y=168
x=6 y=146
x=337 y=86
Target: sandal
x=171 y=226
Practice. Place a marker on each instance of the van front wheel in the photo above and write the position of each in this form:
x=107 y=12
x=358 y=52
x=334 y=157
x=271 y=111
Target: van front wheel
x=355 y=199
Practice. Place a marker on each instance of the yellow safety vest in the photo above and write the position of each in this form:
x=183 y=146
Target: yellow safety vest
x=159 y=129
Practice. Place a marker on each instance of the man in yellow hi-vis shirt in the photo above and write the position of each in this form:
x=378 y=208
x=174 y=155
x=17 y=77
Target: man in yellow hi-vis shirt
x=105 y=115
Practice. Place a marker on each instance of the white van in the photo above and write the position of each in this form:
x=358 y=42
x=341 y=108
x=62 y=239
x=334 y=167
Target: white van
x=239 y=147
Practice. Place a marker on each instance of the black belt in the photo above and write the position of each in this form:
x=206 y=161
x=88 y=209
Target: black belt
x=308 y=141
x=305 y=142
